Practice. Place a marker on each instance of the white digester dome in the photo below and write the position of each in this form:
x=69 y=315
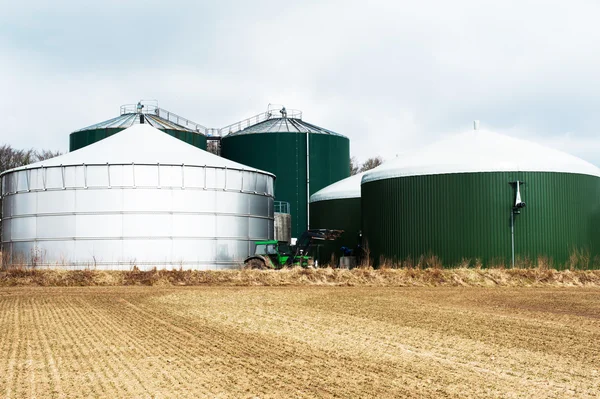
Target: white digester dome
x=346 y=188
x=481 y=151
x=138 y=198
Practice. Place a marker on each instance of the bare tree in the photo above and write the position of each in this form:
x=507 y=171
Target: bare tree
x=371 y=163
x=213 y=147
x=46 y=154
x=13 y=158
x=354 y=166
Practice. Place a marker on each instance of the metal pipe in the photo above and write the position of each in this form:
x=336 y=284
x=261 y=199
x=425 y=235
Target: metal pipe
x=307 y=181
x=512 y=236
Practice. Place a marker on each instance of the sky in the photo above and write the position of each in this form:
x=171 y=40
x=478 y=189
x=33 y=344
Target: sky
x=390 y=75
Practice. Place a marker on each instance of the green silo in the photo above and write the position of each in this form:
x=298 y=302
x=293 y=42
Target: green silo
x=337 y=206
x=277 y=143
x=132 y=114
x=456 y=200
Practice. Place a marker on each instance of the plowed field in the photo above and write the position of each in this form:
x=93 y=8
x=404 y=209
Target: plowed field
x=244 y=342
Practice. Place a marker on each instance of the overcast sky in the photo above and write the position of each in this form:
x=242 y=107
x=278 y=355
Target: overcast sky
x=391 y=75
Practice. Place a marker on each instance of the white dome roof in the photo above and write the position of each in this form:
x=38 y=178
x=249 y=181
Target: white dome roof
x=141 y=144
x=481 y=151
x=346 y=188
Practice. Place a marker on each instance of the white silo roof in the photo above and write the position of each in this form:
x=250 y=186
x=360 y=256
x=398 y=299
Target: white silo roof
x=141 y=144
x=482 y=151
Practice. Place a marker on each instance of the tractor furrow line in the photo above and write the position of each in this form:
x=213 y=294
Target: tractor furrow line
x=298 y=324
x=238 y=348
x=43 y=327
x=181 y=344
x=45 y=378
x=6 y=317
x=14 y=333
x=287 y=336
x=31 y=358
x=228 y=349
x=86 y=332
x=25 y=361
x=105 y=341
x=134 y=333
x=383 y=343
x=278 y=352
x=78 y=370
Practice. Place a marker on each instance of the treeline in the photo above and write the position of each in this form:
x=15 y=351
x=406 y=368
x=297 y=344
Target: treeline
x=13 y=158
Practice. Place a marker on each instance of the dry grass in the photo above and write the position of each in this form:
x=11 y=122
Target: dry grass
x=301 y=342
x=383 y=277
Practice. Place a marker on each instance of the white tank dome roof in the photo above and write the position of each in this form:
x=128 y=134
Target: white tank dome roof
x=482 y=151
x=141 y=144
x=346 y=188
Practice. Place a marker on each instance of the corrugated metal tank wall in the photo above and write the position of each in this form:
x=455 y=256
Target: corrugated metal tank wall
x=467 y=216
x=284 y=154
x=84 y=138
x=340 y=214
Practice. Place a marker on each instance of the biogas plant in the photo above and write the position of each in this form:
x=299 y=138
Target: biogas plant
x=141 y=190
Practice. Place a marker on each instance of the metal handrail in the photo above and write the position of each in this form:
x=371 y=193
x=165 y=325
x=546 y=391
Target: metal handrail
x=281 y=207
x=13 y=174
x=163 y=113
x=253 y=120
x=181 y=121
x=271 y=113
x=133 y=109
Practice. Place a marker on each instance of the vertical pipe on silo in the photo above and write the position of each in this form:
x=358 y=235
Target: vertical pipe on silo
x=512 y=237
x=307 y=181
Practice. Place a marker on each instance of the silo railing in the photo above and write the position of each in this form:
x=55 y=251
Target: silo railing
x=181 y=121
x=136 y=175
x=281 y=207
x=163 y=113
x=253 y=120
x=272 y=113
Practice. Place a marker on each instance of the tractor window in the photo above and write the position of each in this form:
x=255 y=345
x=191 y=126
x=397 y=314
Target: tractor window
x=285 y=249
x=271 y=250
x=261 y=250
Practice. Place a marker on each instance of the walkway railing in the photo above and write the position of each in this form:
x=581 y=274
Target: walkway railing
x=281 y=207
x=271 y=113
x=265 y=116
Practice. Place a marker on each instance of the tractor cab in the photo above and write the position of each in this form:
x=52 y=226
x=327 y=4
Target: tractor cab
x=278 y=252
x=266 y=248
x=273 y=254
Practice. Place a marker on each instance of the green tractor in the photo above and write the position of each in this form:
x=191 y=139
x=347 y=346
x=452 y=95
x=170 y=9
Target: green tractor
x=272 y=254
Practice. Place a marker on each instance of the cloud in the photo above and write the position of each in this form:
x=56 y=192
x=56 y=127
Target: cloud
x=390 y=75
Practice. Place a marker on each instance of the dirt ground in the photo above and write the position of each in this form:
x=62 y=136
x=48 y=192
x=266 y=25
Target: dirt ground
x=261 y=342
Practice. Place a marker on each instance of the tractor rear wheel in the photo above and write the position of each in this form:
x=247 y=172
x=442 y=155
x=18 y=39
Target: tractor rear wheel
x=255 y=264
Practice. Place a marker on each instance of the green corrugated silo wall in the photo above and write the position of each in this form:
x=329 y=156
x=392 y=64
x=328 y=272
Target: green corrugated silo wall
x=340 y=214
x=467 y=216
x=284 y=154
x=84 y=138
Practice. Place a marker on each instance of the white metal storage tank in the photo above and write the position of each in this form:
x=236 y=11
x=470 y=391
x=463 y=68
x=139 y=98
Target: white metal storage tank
x=138 y=198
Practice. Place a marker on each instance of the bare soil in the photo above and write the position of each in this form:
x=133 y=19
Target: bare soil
x=275 y=342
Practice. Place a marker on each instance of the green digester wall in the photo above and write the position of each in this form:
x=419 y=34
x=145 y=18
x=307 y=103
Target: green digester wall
x=83 y=138
x=340 y=214
x=284 y=154
x=467 y=216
